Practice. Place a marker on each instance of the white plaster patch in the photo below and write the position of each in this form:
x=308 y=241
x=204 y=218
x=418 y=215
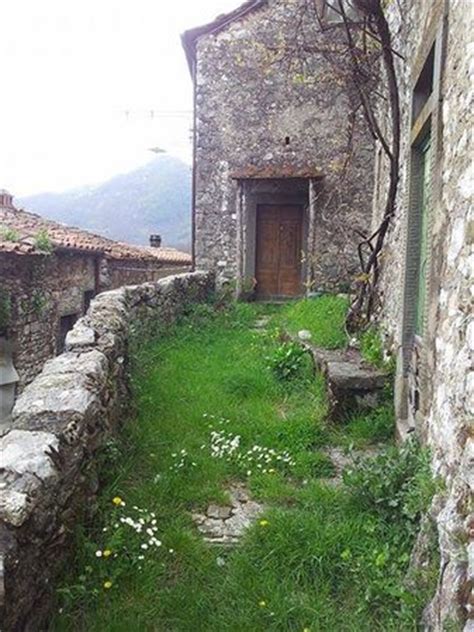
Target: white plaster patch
x=470 y=335
x=443 y=298
x=466 y=183
x=457 y=239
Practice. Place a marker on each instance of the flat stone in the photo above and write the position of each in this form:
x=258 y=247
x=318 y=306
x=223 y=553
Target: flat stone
x=198 y=518
x=80 y=336
x=25 y=466
x=216 y=511
x=14 y=508
x=304 y=334
x=25 y=452
x=351 y=383
x=238 y=496
x=351 y=376
x=54 y=400
x=91 y=363
x=224 y=525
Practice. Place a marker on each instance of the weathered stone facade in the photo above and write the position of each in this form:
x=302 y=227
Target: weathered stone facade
x=435 y=380
x=43 y=291
x=272 y=129
x=47 y=474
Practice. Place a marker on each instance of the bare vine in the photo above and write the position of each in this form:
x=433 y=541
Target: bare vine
x=370 y=248
x=358 y=47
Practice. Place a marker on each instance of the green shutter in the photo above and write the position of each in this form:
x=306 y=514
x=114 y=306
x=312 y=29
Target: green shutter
x=424 y=204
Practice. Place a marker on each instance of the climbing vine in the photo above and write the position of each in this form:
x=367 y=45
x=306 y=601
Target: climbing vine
x=356 y=42
x=5 y=308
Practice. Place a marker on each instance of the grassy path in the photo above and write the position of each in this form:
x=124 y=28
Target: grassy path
x=321 y=559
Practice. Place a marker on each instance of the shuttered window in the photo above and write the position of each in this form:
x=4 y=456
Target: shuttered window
x=423 y=215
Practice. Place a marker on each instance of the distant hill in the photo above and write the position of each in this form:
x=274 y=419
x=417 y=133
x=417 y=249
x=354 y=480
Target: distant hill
x=155 y=198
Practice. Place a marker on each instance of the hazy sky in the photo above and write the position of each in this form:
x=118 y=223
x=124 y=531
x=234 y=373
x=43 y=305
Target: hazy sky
x=71 y=69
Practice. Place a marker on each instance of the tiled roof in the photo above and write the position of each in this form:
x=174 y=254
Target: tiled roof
x=19 y=231
x=189 y=38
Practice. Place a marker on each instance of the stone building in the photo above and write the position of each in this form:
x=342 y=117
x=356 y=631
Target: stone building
x=428 y=271
x=282 y=163
x=48 y=275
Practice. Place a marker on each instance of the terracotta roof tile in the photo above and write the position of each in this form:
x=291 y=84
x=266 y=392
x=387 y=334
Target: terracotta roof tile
x=19 y=231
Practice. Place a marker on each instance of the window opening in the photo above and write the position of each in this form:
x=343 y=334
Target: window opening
x=66 y=323
x=88 y=296
x=424 y=85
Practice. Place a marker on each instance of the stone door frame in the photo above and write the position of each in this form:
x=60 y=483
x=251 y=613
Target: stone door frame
x=253 y=192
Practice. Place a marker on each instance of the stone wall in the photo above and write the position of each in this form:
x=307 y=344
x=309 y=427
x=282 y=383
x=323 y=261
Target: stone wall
x=47 y=467
x=444 y=418
x=42 y=289
x=123 y=272
x=259 y=107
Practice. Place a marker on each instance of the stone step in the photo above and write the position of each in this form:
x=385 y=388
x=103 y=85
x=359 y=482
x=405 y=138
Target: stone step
x=351 y=382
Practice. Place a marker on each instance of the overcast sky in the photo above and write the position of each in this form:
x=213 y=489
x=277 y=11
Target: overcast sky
x=71 y=69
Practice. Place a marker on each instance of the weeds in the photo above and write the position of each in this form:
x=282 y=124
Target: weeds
x=211 y=411
x=371 y=347
x=288 y=361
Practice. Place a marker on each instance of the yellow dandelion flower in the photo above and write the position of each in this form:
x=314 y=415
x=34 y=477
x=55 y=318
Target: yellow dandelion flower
x=264 y=523
x=107 y=553
x=117 y=500
x=262 y=604
x=107 y=585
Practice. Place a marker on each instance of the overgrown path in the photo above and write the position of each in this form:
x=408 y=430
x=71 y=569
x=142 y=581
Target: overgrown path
x=220 y=405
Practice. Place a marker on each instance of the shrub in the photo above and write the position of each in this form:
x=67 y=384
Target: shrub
x=9 y=234
x=397 y=483
x=288 y=361
x=371 y=347
x=43 y=241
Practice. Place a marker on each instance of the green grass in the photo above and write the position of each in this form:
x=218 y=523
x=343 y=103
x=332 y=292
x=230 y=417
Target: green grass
x=324 y=561
x=323 y=317
x=371 y=347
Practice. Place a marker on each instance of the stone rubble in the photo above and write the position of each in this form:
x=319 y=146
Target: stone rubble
x=224 y=525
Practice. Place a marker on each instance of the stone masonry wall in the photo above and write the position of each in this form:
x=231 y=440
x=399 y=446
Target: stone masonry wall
x=41 y=290
x=448 y=336
x=123 y=272
x=258 y=106
x=47 y=469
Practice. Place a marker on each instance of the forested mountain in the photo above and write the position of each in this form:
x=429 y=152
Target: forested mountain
x=155 y=198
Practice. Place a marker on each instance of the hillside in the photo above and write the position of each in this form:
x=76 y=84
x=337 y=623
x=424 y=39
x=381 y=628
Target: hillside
x=155 y=198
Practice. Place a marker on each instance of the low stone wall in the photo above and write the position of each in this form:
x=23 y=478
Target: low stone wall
x=123 y=272
x=47 y=473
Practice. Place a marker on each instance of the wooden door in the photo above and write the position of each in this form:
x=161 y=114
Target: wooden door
x=278 y=255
